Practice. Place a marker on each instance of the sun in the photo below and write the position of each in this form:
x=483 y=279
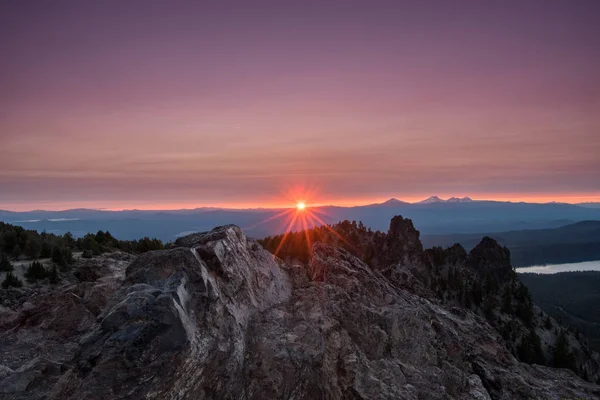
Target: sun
x=300 y=206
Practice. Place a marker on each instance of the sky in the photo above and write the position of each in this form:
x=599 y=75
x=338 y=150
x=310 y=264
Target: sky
x=173 y=104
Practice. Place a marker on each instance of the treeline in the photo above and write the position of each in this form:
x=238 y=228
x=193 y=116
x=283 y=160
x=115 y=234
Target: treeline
x=19 y=243
x=354 y=237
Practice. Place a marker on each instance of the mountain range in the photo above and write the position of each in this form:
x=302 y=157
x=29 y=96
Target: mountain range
x=434 y=216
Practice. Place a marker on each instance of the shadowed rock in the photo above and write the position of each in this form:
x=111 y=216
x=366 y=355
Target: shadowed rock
x=221 y=318
x=489 y=258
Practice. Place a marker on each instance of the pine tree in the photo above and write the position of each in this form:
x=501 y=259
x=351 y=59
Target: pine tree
x=507 y=301
x=562 y=357
x=53 y=275
x=11 y=280
x=33 y=247
x=530 y=349
x=17 y=251
x=35 y=271
x=5 y=264
x=57 y=256
x=46 y=251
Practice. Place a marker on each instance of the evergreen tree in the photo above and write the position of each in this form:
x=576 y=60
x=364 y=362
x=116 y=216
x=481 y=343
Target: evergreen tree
x=69 y=239
x=57 y=256
x=507 y=300
x=17 y=251
x=562 y=357
x=35 y=271
x=46 y=251
x=525 y=313
x=11 y=280
x=33 y=247
x=488 y=306
x=530 y=349
x=53 y=275
x=5 y=264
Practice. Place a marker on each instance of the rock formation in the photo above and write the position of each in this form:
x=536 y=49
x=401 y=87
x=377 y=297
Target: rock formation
x=219 y=317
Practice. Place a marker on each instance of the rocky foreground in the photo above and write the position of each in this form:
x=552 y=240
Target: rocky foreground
x=219 y=317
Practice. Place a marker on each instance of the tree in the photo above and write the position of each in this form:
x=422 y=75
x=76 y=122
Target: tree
x=477 y=294
x=10 y=240
x=69 y=239
x=89 y=243
x=5 y=264
x=33 y=247
x=507 y=300
x=11 y=280
x=525 y=313
x=530 y=349
x=17 y=251
x=562 y=357
x=53 y=275
x=548 y=323
x=57 y=256
x=35 y=271
x=489 y=305
x=46 y=251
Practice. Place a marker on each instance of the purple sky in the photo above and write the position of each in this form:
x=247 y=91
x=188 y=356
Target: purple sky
x=123 y=104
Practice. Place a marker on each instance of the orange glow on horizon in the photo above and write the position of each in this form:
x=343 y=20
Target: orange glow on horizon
x=291 y=199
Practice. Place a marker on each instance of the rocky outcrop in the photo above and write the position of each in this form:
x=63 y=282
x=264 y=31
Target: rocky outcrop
x=402 y=244
x=488 y=258
x=221 y=318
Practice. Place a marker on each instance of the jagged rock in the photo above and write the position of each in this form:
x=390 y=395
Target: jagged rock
x=489 y=258
x=37 y=369
x=221 y=318
x=402 y=241
x=455 y=254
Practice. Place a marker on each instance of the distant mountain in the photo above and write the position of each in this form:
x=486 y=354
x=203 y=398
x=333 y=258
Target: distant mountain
x=393 y=202
x=459 y=200
x=436 y=199
x=437 y=218
x=589 y=205
x=430 y=200
x=570 y=243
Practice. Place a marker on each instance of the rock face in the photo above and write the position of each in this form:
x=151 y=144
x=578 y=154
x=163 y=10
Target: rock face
x=489 y=258
x=221 y=318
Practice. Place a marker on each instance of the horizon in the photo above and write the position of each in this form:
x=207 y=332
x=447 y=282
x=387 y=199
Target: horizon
x=309 y=204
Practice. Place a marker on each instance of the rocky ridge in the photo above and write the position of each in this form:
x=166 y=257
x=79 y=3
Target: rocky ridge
x=220 y=317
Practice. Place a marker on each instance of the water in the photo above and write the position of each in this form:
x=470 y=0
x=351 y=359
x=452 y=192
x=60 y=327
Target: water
x=554 y=268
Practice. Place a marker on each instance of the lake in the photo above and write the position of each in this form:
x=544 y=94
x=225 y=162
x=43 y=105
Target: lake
x=554 y=268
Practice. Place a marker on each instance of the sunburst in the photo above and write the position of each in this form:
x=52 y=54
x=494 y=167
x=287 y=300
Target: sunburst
x=301 y=216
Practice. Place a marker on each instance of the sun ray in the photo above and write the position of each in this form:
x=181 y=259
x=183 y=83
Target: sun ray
x=306 y=234
x=287 y=232
x=331 y=230
x=319 y=210
x=272 y=217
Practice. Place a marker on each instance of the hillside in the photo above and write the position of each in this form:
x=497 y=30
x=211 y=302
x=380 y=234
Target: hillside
x=570 y=297
x=570 y=243
x=482 y=280
x=216 y=316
